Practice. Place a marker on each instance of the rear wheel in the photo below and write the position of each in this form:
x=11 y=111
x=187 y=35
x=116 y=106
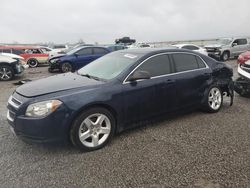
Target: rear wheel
x=32 y=63
x=93 y=129
x=6 y=73
x=214 y=99
x=66 y=67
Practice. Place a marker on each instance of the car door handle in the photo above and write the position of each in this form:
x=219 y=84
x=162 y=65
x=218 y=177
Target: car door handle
x=207 y=74
x=169 y=81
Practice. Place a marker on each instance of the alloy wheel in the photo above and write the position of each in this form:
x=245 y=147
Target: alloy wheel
x=33 y=63
x=5 y=73
x=94 y=130
x=215 y=98
x=66 y=67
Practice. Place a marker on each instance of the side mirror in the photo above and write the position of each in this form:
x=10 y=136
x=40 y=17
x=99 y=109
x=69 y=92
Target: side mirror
x=234 y=44
x=76 y=54
x=139 y=75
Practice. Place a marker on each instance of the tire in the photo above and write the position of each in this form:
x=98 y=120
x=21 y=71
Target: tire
x=225 y=56
x=66 y=67
x=92 y=129
x=214 y=100
x=6 y=73
x=50 y=70
x=32 y=63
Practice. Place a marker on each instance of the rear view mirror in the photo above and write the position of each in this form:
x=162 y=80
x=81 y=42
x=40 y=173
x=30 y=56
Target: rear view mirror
x=139 y=75
x=234 y=44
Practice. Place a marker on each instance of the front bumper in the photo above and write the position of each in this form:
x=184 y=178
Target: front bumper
x=54 y=65
x=214 y=53
x=52 y=128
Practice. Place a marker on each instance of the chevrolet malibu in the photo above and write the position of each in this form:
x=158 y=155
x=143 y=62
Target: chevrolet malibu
x=114 y=93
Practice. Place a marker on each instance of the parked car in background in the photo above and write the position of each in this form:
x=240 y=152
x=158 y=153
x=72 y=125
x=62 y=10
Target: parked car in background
x=115 y=47
x=226 y=48
x=60 y=48
x=244 y=57
x=45 y=49
x=242 y=83
x=9 y=68
x=192 y=47
x=32 y=55
x=17 y=57
x=10 y=50
x=76 y=58
x=114 y=92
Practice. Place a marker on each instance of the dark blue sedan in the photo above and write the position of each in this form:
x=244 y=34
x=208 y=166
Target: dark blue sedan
x=114 y=93
x=76 y=58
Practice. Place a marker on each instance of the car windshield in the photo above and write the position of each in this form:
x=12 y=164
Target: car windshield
x=225 y=41
x=109 y=66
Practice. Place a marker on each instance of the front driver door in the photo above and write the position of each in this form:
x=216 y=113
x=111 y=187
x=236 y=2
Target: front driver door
x=83 y=57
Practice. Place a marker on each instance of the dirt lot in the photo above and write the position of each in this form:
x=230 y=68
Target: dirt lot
x=191 y=150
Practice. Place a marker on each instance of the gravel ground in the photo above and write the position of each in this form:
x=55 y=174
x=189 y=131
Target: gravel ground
x=191 y=150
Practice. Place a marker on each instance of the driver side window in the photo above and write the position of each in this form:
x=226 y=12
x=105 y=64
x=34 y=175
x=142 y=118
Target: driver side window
x=156 y=66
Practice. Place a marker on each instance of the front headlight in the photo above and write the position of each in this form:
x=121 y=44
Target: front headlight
x=42 y=108
x=55 y=60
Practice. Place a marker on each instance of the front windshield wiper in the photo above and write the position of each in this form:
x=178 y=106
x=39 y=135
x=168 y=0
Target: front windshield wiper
x=91 y=77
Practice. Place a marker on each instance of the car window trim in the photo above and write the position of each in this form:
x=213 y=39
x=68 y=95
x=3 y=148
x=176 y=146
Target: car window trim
x=165 y=75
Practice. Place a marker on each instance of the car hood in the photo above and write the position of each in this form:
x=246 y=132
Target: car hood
x=213 y=46
x=12 y=56
x=56 y=83
x=6 y=59
x=57 y=56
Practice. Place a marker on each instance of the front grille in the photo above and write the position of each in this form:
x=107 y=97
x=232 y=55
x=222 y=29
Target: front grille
x=14 y=102
x=211 y=49
x=13 y=105
x=11 y=115
x=246 y=68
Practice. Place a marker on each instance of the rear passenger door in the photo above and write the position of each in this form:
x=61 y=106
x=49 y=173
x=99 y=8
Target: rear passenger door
x=147 y=98
x=192 y=75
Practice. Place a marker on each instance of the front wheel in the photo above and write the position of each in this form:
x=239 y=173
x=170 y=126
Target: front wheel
x=225 y=56
x=66 y=67
x=214 y=99
x=93 y=129
x=6 y=73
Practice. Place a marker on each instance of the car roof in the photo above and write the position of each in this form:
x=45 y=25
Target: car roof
x=146 y=52
x=153 y=50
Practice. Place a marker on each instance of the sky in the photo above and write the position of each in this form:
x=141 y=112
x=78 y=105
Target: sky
x=103 y=21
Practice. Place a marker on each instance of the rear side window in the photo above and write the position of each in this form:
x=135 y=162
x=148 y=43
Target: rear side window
x=185 y=62
x=201 y=64
x=157 y=66
x=100 y=51
x=6 y=50
x=17 y=52
x=190 y=47
x=242 y=41
x=85 y=51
